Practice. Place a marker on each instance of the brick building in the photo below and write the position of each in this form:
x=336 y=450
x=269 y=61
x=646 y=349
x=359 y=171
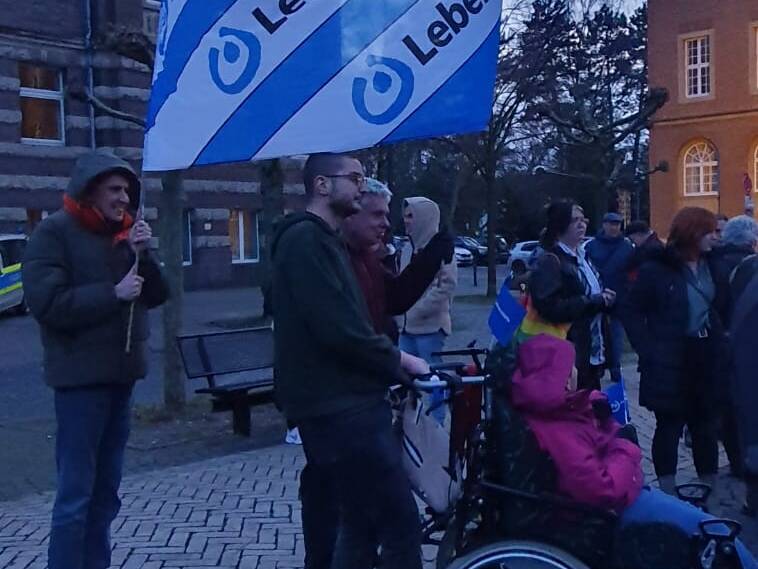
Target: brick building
x=705 y=53
x=44 y=57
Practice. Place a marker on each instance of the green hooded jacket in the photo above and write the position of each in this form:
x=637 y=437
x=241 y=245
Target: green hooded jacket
x=328 y=359
x=69 y=276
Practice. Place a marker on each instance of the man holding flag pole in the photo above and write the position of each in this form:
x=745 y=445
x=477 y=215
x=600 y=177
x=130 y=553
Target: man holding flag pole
x=89 y=283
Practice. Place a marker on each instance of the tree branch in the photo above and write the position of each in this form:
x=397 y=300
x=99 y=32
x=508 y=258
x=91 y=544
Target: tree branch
x=88 y=97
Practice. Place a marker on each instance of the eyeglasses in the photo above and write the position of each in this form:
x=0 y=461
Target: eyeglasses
x=356 y=178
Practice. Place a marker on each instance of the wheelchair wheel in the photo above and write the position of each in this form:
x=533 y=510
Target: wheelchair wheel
x=517 y=554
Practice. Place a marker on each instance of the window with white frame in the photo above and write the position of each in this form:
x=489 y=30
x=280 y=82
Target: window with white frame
x=697 y=54
x=701 y=169
x=187 y=238
x=150 y=17
x=243 y=236
x=41 y=101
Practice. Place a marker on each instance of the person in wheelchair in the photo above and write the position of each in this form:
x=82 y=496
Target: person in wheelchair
x=596 y=462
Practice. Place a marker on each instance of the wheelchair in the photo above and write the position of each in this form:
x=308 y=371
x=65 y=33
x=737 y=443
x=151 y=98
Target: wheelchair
x=506 y=516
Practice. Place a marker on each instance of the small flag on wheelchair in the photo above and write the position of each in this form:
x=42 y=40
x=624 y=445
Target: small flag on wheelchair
x=506 y=315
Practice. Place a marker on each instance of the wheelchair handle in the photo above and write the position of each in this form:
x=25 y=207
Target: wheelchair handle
x=441 y=380
x=714 y=529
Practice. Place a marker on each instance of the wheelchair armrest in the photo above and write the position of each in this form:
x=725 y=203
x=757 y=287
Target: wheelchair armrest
x=553 y=500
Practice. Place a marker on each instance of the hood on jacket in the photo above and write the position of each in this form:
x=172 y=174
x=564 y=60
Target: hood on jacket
x=544 y=366
x=283 y=224
x=426 y=221
x=98 y=163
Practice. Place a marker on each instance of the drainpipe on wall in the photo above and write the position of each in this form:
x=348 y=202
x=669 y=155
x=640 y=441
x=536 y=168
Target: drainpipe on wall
x=87 y=5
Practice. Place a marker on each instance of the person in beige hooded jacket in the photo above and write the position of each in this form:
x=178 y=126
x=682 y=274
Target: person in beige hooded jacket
x=425 y=326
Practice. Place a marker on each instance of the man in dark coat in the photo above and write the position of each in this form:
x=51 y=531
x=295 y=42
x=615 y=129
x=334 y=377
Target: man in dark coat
x=744 y=327
x=739 y=239
x=83 y=287
x=610 y=252
x=386 y=294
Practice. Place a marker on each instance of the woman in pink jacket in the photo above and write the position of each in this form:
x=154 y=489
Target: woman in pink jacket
x=597 y=462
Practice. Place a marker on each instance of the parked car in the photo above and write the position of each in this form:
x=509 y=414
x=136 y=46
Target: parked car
x=477 y=250
x=502 y=247
x=463 y=257
x=520 y=257
x=11 y=288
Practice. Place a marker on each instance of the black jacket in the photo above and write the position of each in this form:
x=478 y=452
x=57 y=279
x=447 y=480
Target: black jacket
x=328 y=359
x=69 y=276
x=657 y=316
x=558 y=293
x=744 y=329
x=724 y=260
x=610 y=256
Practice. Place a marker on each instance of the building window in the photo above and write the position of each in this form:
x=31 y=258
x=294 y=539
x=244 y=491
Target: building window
x=187 y=238
x=243 y=236
x=701 y=169
x=41 y=104
x=697 y=55
x=150 y=18
x=755 y=169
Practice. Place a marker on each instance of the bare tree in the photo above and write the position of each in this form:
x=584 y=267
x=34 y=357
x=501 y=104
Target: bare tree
x=528 y=32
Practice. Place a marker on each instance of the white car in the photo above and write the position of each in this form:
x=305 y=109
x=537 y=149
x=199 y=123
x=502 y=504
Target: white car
x=463 y=257
x=521 y=254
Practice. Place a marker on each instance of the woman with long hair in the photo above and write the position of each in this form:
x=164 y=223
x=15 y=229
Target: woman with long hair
x=566 y=293
x=678 y=335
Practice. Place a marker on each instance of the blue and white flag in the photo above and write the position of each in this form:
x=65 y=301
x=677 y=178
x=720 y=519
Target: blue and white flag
x=239 y=80
x=506 y=315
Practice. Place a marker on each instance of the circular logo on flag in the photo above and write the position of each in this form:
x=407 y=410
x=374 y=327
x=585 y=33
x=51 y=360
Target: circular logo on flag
x=387 y=95
x=232 y=70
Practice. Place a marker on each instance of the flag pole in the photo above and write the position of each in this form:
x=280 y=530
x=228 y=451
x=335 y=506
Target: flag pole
x=135 y=267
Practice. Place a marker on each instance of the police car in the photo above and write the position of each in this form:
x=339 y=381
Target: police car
x=11 y=287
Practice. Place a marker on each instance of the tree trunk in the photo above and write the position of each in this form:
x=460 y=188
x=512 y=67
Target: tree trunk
x=171 y=233
x=272 y=192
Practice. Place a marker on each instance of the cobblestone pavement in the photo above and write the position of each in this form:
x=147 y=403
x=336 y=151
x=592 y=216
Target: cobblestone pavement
x=239 y=511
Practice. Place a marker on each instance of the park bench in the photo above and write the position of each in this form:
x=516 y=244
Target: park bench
x=243 y=358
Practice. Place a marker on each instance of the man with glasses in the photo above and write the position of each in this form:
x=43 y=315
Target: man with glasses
x=332 y=372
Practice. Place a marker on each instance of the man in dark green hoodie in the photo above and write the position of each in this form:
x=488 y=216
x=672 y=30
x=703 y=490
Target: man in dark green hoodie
x=80 y=282
x=332 y=372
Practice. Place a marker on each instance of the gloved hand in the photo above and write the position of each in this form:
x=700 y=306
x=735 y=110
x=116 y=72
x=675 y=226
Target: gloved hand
x=442 y=245
x=602 y=409
x=629 y=433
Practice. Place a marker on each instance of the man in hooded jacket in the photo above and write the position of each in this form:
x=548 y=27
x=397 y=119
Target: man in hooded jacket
x=426 y=325
x=83 y=286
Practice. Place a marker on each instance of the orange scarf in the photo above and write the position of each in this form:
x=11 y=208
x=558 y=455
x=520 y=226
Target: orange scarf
x=92 y=220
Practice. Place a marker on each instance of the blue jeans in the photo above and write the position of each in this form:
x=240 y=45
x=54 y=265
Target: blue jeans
x=93 y=427
x=615 y=347
x=656 y=506
x=423 y=346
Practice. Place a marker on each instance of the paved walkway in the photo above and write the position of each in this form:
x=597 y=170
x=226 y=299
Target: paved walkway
x=239 y=511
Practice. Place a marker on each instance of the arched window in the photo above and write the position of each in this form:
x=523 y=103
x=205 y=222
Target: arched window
x=701 y=168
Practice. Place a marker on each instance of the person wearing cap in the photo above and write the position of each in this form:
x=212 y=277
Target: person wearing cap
x=88 y=294
x=610 y=252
